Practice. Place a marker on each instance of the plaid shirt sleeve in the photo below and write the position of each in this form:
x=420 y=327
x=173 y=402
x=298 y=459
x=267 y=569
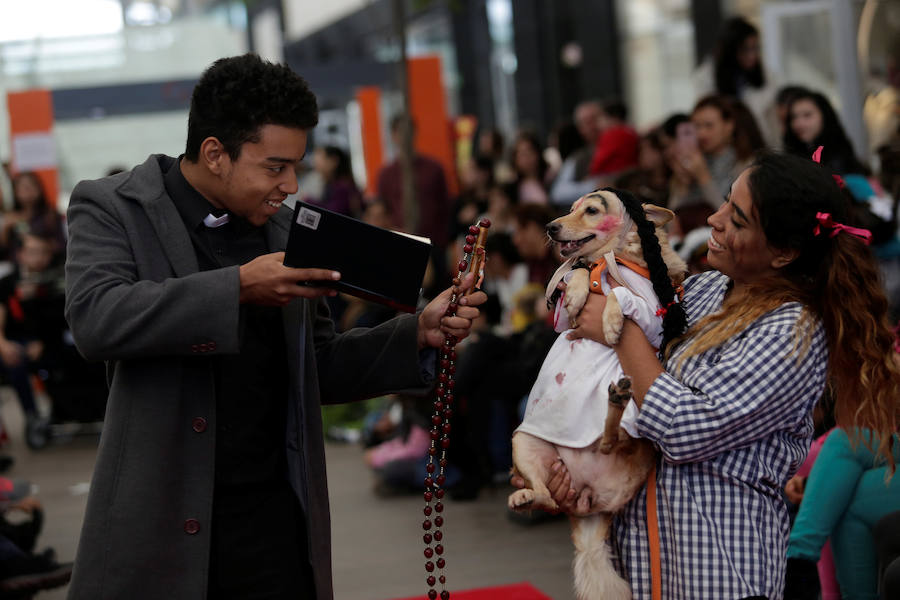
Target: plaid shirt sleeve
x=731 y=396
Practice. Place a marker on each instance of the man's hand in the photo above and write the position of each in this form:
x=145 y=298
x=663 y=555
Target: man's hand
x=434 y=324
x=265 y=280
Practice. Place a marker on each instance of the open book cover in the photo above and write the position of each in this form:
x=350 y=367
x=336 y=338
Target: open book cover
x=375 y=264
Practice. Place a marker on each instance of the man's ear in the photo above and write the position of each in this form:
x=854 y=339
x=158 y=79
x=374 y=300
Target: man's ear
x=658 y=215
x=783 y=257
x=213 y=155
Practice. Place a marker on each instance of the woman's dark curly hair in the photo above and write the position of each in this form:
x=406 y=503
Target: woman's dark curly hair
x=238 y=95
x=675 y=320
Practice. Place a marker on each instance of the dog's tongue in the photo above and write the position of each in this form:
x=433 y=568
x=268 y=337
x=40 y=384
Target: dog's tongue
x=569 y=246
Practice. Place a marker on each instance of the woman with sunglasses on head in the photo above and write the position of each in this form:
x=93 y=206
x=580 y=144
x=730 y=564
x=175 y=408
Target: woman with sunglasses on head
x=793 y=303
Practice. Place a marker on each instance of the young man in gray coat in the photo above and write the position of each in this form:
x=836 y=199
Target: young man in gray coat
x=210 y=477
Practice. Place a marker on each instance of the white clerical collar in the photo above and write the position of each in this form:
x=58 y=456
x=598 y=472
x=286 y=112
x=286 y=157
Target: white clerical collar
x=211 y=220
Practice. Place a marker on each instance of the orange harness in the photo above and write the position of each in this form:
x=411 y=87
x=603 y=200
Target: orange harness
x=597 y=269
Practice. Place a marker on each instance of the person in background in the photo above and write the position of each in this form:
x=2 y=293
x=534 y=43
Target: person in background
x=574 y=179
x=475 y=180
x=650 y=180
x=704 y=168
x=848 y=490
x=735 y=69
x=530 y=239
x=783 y=99
x=616 y=149
x=32 y=324
x=31 y=209
x=813 y=122
x=531 y=169
x=431 y=196
x=340 y=193
x=492 y=144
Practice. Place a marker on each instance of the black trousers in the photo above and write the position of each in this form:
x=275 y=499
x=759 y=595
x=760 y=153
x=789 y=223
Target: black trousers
x=259 y=548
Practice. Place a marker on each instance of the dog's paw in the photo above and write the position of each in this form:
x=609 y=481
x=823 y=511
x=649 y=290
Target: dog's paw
x=613 y=320
x=606 y=445
x=521 y=499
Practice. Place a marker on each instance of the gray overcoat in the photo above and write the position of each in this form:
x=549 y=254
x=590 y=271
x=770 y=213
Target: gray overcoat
x=136 y=299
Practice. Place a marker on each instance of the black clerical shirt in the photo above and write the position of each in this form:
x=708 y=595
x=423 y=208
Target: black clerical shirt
x=258 y=532
x=251 y=386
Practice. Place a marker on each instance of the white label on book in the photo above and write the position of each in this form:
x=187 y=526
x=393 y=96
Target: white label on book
x=308 y=218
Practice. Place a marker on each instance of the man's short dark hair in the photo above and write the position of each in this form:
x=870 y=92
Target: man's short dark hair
x=538 y=214
x=236 y=96
x=616 y=109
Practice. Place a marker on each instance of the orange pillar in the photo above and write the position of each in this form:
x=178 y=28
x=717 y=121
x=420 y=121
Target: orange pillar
x=428 y=107
x=368 y=99
x=31 y=132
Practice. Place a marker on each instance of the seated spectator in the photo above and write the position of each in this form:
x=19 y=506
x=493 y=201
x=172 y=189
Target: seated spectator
x=23 y=572
x=782 y=101
x=476 y=179
x=735 y=69
x=505 y=275
x=846 y=494
x=501 y=208
x=492 y=145
x=574 y=179
x=650 y=180
x=32 y=324
x=340 y=193
x=705 y=167
x=530 y=238
x=531 y=170
x=617 y=146
x=32 y=210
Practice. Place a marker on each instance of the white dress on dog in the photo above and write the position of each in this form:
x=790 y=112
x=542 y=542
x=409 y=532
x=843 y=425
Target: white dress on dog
x=567 y=405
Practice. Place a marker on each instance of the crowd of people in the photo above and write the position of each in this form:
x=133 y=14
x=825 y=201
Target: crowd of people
x=687 y=163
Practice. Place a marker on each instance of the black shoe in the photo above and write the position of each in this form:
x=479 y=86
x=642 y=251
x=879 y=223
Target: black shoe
x=801 y=580
x=6 y=462
x=23 y=576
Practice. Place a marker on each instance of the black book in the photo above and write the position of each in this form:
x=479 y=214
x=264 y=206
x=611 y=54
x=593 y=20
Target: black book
x=375 y=264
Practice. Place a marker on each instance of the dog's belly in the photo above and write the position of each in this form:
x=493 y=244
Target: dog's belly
x=611 y=480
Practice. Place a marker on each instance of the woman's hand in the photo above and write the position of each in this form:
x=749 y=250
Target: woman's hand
x=560 y=486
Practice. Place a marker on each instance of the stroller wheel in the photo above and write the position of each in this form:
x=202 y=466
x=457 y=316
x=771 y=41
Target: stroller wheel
x=37 y=433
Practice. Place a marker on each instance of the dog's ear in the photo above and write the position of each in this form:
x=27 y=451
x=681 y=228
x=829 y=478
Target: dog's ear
x=658 y=215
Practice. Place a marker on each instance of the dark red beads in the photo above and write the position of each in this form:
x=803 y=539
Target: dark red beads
x=443 y=413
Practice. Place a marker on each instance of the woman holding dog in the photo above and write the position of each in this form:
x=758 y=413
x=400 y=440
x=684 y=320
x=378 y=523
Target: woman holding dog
x=794 y=303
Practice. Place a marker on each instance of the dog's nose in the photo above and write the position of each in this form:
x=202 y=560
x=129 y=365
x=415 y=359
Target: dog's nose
x=553 y=228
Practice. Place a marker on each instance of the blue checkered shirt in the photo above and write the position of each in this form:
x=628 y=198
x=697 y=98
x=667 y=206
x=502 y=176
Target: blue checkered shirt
x=731 y=431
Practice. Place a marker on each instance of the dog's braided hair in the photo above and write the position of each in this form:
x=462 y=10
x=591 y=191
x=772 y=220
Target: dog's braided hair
x=675 y=319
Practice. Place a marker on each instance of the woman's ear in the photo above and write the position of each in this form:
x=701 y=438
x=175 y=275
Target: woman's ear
x=783 y=258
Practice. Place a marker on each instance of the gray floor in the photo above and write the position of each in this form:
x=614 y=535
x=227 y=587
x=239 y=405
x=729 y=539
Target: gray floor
x=377 y=542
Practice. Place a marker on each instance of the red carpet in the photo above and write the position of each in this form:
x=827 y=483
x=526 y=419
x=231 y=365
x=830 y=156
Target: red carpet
x=517 y=591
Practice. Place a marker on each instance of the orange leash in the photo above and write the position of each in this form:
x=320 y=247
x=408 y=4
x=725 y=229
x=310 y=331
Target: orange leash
x=653 y=538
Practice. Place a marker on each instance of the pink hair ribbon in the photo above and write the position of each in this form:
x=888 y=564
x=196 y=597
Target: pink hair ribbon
x=817 y=157
x=825 y=220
